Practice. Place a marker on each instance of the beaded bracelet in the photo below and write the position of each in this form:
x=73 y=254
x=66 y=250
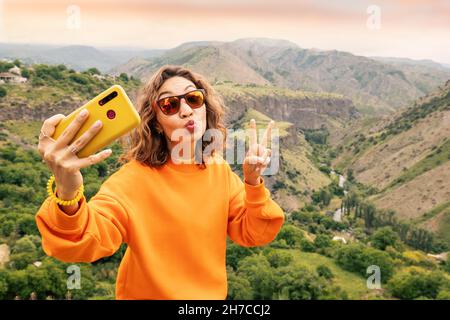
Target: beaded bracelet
x=60 y=201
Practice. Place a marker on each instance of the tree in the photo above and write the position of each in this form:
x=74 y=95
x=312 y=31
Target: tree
x=6 y=227
x=21 y=260
x=24 y=244
x=298 y=283
x=236 y=253
x=292 y=234
x=87 y=284
x=322 y=241
x=357 y=258
x=3 y=92
x=93 y=71
x=417 y=283
x=350 y=176
x=123 y=77
x=324 y=272
x=447 y=264
x=27 y=225
x=443 y=295
x=256 y=269
x=322 y=197
x=239 y=288
x=18 y=284
x=384 y=237
x=420 y=239
x=5 y=66
x=25 y=73
x=368 y=211
x=307 y=246
x=278 y=258
x=3 y=284
x=78 y=78
x=39 y=280
x=302 y=217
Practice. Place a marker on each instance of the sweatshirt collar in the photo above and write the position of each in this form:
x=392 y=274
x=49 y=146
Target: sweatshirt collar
x=183 y=167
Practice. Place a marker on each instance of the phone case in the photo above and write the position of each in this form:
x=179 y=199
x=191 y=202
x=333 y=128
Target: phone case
x=118 y=116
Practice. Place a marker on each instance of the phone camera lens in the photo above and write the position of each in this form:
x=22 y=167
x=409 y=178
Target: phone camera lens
x=110 y=114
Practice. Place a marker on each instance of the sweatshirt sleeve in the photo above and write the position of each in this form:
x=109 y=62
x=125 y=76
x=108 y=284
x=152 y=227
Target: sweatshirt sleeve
x=95 y=231
x=254 y=219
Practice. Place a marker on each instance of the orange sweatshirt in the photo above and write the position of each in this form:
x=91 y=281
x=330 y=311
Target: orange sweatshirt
x=175 y=221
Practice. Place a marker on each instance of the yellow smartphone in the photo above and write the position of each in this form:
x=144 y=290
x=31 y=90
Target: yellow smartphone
x=114 y=109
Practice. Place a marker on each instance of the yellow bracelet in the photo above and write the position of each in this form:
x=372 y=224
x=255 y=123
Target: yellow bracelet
x=60 y=201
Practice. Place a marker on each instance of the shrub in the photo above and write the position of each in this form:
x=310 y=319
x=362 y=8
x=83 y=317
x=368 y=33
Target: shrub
x=278 y=258
x=3 y=92
x=256 y=269
x=322 y=241
x=123 y=77
x=357 y=258
x=21 y=260
x=443 y=295
x=447 y=264
x=417 y=283
x=307 y=246
x=239 y=288
x=384 y=237
x=298 y=283
x=291 y=234
x=302 y=217
x=78 y=78
x=236 y=253
x=324 y=272
x=417 y=258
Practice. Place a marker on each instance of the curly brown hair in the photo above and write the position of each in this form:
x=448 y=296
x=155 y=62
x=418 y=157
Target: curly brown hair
x=149 y=146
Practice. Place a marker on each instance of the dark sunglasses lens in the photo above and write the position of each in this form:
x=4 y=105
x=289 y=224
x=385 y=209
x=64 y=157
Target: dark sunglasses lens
x=169 y=105
x=194 y=99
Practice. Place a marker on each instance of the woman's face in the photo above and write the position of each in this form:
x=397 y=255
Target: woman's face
x=174 y=125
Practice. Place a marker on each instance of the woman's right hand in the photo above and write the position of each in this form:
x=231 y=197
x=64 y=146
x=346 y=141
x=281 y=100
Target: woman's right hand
x=58 y=156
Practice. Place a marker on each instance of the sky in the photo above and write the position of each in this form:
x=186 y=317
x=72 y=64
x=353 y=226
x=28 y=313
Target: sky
x=417 y=29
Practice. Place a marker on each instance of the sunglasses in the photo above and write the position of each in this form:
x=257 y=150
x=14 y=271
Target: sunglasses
x=171 y=105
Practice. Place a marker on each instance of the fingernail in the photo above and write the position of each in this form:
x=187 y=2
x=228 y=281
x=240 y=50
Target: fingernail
x=107 y=151
x=97 y=124
x=83 y=112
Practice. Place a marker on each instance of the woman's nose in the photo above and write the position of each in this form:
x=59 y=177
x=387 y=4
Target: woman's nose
x=185 y=109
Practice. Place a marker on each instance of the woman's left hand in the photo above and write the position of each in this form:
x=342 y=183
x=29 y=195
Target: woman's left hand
x=258 y=155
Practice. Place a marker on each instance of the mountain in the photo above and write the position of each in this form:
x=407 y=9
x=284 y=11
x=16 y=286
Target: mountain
x=294 y=111
x=411 y=62
x=376 y=87
x=407 y=158
x=74 y=56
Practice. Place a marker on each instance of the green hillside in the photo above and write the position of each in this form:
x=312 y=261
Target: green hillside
x=406 y=158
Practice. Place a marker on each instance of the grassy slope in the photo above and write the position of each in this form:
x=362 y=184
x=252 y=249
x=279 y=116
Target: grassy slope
x=434 y=159
x=353 y=284
x=233 y=89
x=438 y=221
x=26 y=131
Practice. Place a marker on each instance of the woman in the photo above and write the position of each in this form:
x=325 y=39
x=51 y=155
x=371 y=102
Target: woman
x=174 y=217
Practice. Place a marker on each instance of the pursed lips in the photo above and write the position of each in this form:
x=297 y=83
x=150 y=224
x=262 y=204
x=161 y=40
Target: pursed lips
x=190 y=125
